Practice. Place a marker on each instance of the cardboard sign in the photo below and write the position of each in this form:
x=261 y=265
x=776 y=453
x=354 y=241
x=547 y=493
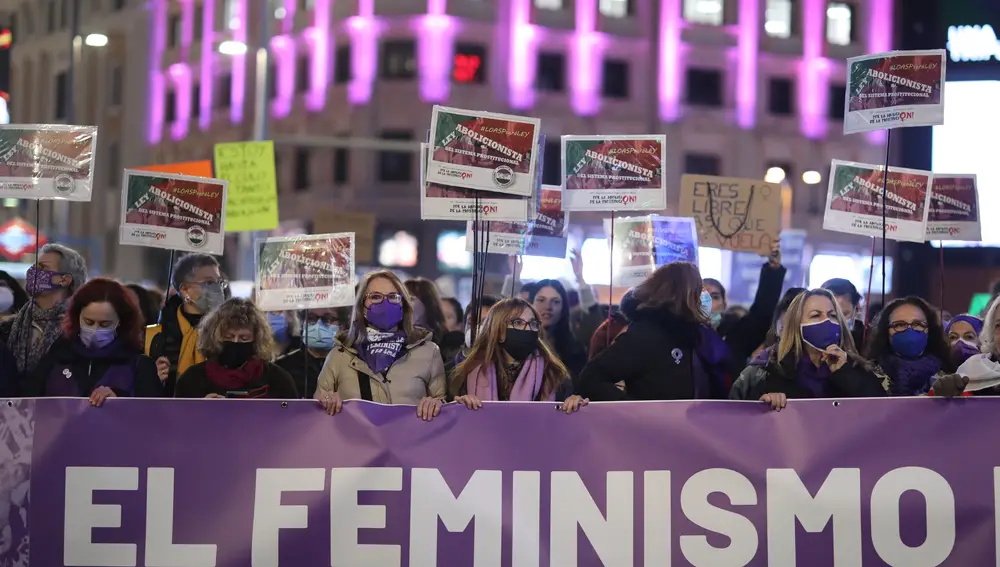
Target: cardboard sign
x=253 y=187
x=732 y=213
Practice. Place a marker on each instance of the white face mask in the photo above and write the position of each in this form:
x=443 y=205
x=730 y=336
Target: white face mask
x=6 y=299
x=468 y=335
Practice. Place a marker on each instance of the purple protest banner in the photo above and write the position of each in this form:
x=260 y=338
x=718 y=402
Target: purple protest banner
x=903 y=482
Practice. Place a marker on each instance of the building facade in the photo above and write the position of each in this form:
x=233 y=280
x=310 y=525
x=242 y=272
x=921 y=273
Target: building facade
x=739 y=87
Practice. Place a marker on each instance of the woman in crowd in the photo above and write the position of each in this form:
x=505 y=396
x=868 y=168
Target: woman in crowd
x=426 y=303
x=963 y=337
x=320 y=328
x=552 y=305
x=12 y=296
x=237 y=343
x=452 y=310
x=849 y=301
x=286 y=330
x=485 y=303
x=99 y=354
x=908 y=347
x=383 y=356
x=777 y=322
x=59 y=272
x=147 y=303
x=669 y=351
x=815 y=358
x=979 y=375
x=508 y=362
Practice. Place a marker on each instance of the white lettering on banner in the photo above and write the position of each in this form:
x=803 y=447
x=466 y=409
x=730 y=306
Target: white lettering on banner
x=572 y=510
x=270 y=516
x=973 y=43
x=740 y=531
x=572 y=506
x=481 y=500
x=940 y=502
x=788 y=500
x=347 y=516
x=161 y=551
x=82 y=516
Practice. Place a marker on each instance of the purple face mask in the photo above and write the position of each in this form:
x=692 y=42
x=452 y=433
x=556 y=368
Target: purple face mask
x=384 y=316
x=962 y=351
x=822 y=334
x=39 y=281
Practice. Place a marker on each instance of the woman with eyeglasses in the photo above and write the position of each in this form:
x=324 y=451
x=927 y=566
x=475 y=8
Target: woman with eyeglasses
x=509 y=363
x=908 y=346
x=383 y=356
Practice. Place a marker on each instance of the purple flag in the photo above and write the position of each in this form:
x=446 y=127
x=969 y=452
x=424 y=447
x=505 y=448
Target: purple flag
x=906 y=482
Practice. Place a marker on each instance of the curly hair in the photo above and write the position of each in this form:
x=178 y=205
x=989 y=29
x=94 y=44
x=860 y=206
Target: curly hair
x=235 y=314
x=97 y=290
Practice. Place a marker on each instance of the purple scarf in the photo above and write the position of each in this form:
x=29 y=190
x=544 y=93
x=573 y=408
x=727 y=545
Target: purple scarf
x=120 y=373
x=711 y=364
x=910 y=376
x=813 y=378
x=528 y=385
x=380 y=349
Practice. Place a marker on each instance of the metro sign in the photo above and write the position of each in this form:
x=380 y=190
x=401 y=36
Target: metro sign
x=17 y=237
x=973 y=43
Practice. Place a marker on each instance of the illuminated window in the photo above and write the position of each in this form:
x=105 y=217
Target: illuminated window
x=469 y=65
x=232 y=14
x=839 y=23
x=778 y=18
x=707 y=12
x=549 y=4
x=615 y=8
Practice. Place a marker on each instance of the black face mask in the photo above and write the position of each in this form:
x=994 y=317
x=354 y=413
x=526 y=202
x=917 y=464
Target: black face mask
x=520 y=344
x=234 y=354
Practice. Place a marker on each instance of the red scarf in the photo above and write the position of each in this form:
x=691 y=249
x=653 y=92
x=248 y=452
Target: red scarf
x=235 y=378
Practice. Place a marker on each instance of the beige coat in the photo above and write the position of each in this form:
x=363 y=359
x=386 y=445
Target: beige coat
x=419 y=373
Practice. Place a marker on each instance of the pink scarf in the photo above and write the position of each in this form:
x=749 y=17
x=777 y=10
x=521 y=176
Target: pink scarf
x=483 y=385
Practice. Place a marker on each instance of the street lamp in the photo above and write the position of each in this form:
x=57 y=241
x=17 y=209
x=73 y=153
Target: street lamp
x=812 y=177
x=774 y=175
x=96 y=40
x=230 y=47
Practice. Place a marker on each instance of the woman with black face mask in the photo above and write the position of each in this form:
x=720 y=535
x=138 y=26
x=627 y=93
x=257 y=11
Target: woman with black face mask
x=509 y=362
x=238 y=343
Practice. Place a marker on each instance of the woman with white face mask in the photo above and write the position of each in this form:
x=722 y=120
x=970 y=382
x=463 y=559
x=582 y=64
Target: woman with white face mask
x=99 y=354
x=319 y=329
x=486 y=302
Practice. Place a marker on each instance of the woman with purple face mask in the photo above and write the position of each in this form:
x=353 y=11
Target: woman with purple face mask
x=383 y=356
x=815 y=358
x=99 y=354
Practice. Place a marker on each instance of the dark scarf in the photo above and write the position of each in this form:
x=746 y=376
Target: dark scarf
x=379 y=349
x=22 y=343
x=119 y=376
x=813 y=378
x=909 y=376
x=711 y=365
x=231 y=379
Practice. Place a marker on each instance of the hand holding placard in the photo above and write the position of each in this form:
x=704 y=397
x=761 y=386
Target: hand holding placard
x=252 y=203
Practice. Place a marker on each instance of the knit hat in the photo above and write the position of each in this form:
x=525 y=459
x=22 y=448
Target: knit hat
x=975 y=322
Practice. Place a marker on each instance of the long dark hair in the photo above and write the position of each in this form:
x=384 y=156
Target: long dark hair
x=562 y=334
x=877 y=347
x=676 y=288
x=425 y=290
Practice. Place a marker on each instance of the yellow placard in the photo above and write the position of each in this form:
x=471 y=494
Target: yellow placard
x=252 y=200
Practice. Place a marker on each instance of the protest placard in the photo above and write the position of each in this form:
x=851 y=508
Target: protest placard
x=176 y=212
x=953 y=211
x=47 y=161
x=447 y=202
x=201 y=168
x=894 y=90
x=545 y=235
x=253 y=186
x=614 y=173
x=854 y=201
x=483 y=150
x=361 y=224
x=305 y=272
x=732 y=213
x=642 y=244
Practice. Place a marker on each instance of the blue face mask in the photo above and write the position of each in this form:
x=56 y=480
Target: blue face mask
x=706 y=303
x=279 y=325
x=909 y=343
x=319 y=335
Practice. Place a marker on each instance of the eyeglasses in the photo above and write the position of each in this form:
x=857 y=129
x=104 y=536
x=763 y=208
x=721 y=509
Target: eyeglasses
x=376 y=297
x=224 y=284
x=522 y=325
x=326 y=319
x=900 y=326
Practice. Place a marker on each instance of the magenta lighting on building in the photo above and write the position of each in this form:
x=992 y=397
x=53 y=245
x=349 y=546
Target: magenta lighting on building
x=319 y=38
x=283 y=52
x=157 y=82
x=670 y=60
x=522 y=57
x=207 y=59
x=814 y=89
x=239 y=65
x=364 y=31
x=435 y=49
x=180 y=79
x=746 y=64
x=879 y=40
x=585 y=81
x=187 y=29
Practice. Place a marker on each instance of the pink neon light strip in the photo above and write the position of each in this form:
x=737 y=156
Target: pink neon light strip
x=207 y=59
x=585 y=96
x=239 y=67
x=436 y=33
x=364 y=52
x=180 y=78
x=671 y=60
x=321 y=39
x=746 y=68
x=814 y=92
x=521 y=57
x=283 y=52
x=157 y=82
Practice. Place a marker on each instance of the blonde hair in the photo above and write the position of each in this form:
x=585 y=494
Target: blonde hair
x=488 y=350
x=357 y=331
x=790 y=340
x=987 y=344
x=235 y=314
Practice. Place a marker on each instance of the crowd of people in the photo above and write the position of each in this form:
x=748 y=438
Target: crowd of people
x=673 y=337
